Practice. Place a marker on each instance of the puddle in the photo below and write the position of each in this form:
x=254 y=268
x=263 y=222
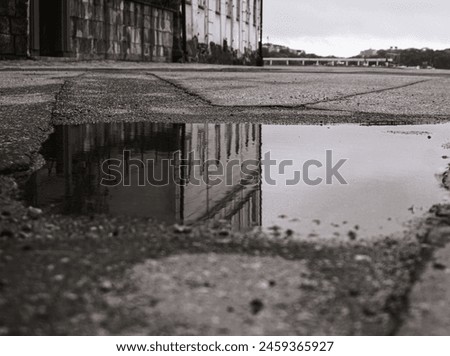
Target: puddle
x=392 y=174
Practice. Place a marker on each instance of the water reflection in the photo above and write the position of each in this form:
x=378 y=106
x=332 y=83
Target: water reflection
x=391 y=174
x=71 y=180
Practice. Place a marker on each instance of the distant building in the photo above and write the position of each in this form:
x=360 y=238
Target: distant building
x=274 y=48
x=140 y=30
x=369 y=53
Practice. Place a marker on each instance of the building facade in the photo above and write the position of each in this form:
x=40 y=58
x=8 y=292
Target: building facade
x=223 y=30
x=214 y=31
x=88 y=29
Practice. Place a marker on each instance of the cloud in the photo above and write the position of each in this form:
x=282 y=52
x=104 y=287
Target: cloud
x=395 y=21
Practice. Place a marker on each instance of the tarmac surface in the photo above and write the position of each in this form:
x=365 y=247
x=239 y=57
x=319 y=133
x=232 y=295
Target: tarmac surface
x=69 y=275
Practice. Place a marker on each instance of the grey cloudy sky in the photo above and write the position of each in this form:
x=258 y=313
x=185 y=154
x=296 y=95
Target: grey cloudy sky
x=345 y=27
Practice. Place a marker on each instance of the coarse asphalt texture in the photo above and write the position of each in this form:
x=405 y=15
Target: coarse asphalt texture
x=101 y=275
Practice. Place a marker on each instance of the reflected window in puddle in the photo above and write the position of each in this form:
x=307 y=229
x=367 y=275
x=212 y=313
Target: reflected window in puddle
x=72 y=181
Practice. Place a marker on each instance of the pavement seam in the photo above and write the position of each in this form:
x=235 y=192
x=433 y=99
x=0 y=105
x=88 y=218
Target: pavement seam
x=298 y=111
x=305 y=106
x=33 y=156
x=184 y=90
x=187 y=91
x=58 y=95
x=368 y=92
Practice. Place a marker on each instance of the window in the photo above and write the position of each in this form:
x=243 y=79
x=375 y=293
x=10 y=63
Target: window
x=230 y=8
x=201 y=3
x=255 y=13
x=247 y=15
x=238 y=9
x=218 y=6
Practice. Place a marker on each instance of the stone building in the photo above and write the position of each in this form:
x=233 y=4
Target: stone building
x=88 y=29
x=13 y=27
x=219 y=31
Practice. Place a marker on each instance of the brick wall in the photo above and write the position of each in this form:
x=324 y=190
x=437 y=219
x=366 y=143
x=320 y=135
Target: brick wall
x=121 y=29
x=13 y=27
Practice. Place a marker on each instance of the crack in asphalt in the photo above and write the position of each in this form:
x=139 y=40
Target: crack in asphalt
x=59 y=94
x=185 y=90
x=34 y=156
x=305 y=106
x=369 y=92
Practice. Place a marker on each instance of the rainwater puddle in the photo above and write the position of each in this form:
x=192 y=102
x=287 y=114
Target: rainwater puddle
x=391 y=174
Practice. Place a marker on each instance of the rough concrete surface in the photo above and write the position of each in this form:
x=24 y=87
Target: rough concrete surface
x=26 y=103
x=83 y=275
x=429 y=311
x=294 y=89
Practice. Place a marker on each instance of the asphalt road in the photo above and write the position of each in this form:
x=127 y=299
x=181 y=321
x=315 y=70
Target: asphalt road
x=94 y=275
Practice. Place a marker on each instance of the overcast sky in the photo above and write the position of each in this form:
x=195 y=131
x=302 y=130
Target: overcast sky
x=345 y=27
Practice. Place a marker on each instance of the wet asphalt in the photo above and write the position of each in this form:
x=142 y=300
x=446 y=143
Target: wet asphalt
x=92 y=275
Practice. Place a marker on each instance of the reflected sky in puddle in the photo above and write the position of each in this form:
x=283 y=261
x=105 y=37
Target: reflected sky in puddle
x=392 y=174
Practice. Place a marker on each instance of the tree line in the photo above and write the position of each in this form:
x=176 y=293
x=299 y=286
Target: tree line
x=412 y=57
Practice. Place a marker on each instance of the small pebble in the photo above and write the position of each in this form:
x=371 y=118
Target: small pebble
x=439 y=266
x=362 y=258
x=256 y=306
x=34 y=213
x=70 y=296
x=224 y=233
x=59 y=277
x=181 y=229
x=106 y=286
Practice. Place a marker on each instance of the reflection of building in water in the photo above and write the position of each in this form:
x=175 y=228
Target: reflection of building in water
x=222 y=145
x=70 y=181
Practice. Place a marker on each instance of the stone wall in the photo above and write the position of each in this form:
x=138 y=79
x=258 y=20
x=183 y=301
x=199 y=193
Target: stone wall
x=138 y=30
x=121 y=29
x=13 y=28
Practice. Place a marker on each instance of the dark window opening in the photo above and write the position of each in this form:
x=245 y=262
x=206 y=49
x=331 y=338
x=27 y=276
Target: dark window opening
x=49 y=27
